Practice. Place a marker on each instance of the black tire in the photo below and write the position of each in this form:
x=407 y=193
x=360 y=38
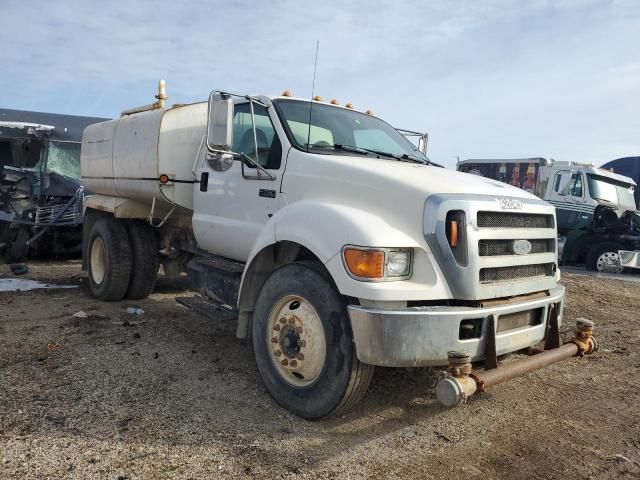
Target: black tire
x=591 y=258
x=146 y=262
x=112 y=285
x=343 y=379
x=19 y=249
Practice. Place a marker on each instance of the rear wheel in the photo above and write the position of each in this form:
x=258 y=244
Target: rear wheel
x=144 y=272
x=19 y=249
x=109 y=263
x=304 y=346
x=603 y=257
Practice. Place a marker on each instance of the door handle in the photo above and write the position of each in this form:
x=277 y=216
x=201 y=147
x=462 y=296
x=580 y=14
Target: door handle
x=204 y=181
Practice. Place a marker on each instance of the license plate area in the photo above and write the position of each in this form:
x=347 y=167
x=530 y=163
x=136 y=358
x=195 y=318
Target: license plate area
x=512 y=321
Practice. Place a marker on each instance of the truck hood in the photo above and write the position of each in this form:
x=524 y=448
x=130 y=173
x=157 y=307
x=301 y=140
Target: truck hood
x=427 y=177
x=366 y=174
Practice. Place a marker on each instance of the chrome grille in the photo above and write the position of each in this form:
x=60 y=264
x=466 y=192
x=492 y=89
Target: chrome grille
x=514 y=220
x=504 y=274
x=494 y=248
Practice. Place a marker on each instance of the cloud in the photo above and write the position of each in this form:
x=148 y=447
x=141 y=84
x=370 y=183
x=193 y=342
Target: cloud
x=493 y=79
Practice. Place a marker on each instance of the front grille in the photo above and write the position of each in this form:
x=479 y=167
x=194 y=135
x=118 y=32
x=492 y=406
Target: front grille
x=514 y=220
x=505 y=274
x=48 y=214
x=494 y=248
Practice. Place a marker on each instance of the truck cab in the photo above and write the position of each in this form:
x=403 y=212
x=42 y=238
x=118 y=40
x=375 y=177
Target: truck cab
x=577 y=189
x=339 y=244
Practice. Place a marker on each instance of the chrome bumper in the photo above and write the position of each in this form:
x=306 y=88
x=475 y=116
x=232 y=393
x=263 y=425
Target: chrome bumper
x=422 y=336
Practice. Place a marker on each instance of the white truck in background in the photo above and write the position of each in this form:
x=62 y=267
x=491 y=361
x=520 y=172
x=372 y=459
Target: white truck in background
x=340 y=245
x=595 y=207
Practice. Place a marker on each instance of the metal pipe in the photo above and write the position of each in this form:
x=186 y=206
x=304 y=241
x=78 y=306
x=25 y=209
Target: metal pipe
x=462 y=383
x=496 y=376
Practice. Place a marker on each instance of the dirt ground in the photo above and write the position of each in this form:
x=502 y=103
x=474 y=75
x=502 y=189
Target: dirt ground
x=178 y=396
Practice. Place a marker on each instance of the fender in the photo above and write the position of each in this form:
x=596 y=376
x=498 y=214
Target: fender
x=313 y=225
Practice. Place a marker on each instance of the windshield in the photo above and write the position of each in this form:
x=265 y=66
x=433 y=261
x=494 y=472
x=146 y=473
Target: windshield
x=616 y=192
x=63 y=158
x=333 y=128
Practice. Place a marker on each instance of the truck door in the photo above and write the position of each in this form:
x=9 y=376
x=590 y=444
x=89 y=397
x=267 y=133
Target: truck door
x=567 y=195
x=232 y=206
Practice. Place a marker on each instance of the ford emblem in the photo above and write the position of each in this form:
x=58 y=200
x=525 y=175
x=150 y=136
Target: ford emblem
x=521 y=247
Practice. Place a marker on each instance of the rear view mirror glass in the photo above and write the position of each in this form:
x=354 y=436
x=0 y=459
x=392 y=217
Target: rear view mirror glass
x=220 y=123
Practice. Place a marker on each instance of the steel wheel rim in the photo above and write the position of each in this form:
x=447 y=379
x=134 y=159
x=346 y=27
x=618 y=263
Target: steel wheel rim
x=296 y=341
x=609 y=262
x=98 y=261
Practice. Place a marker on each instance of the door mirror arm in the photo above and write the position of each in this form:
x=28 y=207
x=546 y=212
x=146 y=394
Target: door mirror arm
x=260 y=168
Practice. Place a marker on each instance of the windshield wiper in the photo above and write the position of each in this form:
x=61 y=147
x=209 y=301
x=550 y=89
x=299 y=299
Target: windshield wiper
x=367 y=151
x=364 y=151
x=403 y=157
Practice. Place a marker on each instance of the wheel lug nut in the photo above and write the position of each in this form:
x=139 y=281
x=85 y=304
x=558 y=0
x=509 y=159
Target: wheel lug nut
x=291 y=321
x=283 y=320
x=303 y=343
x=293 y=363
x=285 y=362
x=299 y=330
x=274 y=340
x=300 y=356
x=278 y=353
x=276 y=327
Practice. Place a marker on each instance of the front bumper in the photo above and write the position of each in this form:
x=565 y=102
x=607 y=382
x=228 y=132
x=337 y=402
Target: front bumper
x=422 y=336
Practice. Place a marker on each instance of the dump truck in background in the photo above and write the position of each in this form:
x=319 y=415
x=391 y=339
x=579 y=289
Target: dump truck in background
x=337 y=242
x=595 y=207
x=40 y=188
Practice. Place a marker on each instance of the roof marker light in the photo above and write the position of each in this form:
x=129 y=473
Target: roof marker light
x=349 y=105
x=317 y=98
x=286 y=93
x=334 y=101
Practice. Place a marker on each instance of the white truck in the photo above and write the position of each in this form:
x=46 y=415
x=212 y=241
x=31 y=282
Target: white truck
x=339 y=243
x=583 y=194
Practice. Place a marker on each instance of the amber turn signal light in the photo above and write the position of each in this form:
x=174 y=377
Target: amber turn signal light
x=364 y=263
x=452 y=233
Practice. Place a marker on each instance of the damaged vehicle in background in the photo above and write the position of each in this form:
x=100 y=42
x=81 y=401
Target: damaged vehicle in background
x=40 y=188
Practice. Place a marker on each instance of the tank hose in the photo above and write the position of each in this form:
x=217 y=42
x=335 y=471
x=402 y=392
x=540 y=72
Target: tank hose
x=150 y=217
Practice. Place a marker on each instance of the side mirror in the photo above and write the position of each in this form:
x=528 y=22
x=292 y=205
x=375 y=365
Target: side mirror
x=218 y=161
x=220 y=123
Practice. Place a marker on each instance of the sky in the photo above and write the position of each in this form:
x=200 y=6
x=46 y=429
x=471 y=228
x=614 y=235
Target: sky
x=486 y=79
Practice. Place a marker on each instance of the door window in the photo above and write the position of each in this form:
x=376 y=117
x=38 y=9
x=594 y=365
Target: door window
x=558 y=183
x=575 y=187
x=269 y=153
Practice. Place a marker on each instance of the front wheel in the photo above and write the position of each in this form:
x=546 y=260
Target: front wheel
x=304 y=346
x=603 y=257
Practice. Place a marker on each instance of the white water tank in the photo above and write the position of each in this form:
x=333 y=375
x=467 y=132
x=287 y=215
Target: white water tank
x=126 y=157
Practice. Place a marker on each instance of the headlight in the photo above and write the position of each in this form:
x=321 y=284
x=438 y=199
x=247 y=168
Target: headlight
x=377 y=264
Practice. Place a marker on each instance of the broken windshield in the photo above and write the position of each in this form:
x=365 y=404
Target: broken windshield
x=63 y=158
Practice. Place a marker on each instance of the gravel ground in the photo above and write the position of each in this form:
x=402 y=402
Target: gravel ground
x=178 y=396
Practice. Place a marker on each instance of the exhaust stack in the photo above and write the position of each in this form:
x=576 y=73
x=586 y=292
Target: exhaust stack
x=161 y=96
